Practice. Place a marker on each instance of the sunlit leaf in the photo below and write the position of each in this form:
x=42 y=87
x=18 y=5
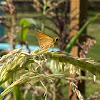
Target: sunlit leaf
x=25 y=24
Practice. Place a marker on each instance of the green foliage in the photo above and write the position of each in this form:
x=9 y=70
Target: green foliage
x=73 y=40
x=25 y=24
x=23 y=32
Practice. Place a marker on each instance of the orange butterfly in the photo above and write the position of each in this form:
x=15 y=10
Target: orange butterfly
x=46 y=41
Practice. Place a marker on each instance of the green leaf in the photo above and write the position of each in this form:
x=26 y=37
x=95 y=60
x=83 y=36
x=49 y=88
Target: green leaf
x=25 y=23
x=23 y=31
x=73 y=40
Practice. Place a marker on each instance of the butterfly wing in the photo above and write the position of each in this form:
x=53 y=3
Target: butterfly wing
x=44 y=40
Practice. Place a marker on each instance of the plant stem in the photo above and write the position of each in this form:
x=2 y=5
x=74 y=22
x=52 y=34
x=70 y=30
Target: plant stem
x=54 y=94
x=43 y=16
x=17 y=92
x=12 y=13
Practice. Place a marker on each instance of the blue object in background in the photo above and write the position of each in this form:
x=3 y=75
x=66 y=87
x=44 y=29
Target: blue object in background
x=1 y=26
x=6 y=46
x=1 y=35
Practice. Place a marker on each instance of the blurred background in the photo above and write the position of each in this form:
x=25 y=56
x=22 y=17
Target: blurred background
x=62 y=18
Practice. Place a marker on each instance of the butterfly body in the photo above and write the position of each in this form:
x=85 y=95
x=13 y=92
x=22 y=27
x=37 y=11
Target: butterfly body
x=46 y=41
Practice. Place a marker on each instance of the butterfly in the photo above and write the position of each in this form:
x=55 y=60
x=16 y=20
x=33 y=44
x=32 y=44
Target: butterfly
x=46 y=41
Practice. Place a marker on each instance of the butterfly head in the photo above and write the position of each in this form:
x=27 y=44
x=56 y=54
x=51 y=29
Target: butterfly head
x=55 y=40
